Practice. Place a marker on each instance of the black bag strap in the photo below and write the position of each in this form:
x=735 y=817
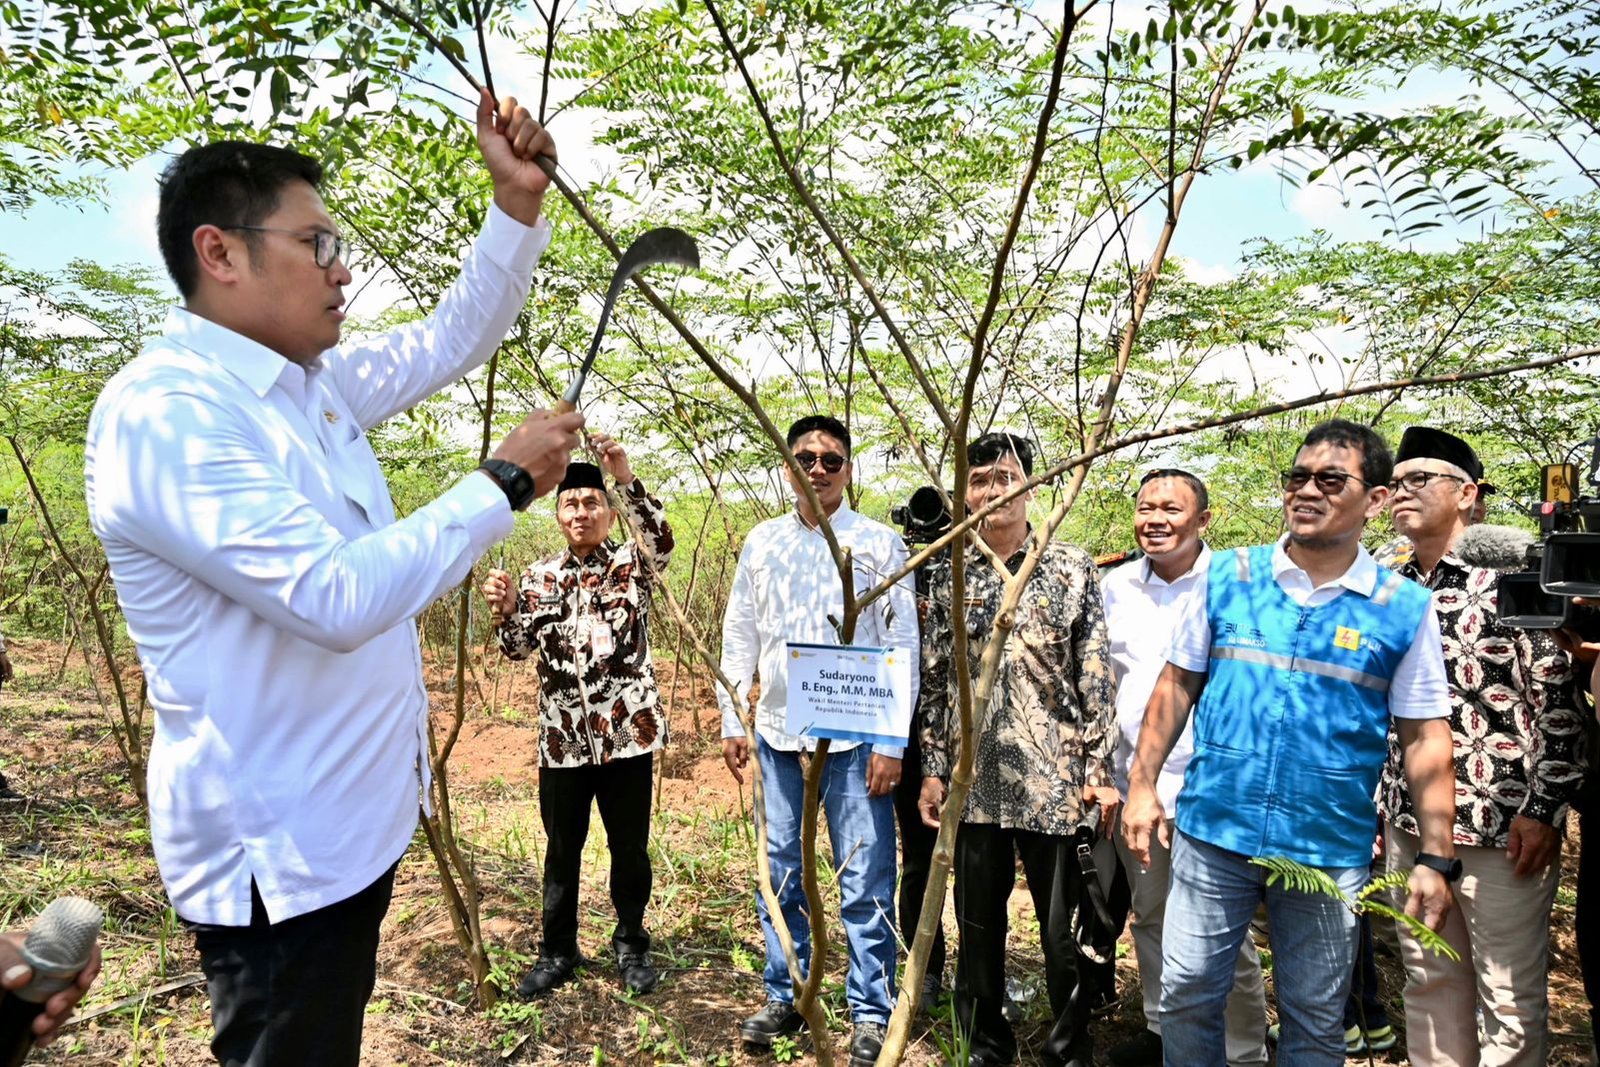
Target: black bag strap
x=1093 y=925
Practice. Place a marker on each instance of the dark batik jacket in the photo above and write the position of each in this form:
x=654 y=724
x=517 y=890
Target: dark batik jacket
x=595 y=704
x=1513 y=711
x=1052 y=715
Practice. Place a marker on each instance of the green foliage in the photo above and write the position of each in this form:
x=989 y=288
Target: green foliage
x=1300 y=878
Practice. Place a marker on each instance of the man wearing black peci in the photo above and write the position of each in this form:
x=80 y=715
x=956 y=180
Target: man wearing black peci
x=585 y=612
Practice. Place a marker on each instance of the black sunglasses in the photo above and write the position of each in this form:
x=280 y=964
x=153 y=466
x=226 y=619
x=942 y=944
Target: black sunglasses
x=831 y=462
x=1329 y=483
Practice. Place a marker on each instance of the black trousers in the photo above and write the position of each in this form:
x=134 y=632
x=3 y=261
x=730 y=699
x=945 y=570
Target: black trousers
x=622 y=790
x=985 y=875
x=916 y=848
x=294 y=992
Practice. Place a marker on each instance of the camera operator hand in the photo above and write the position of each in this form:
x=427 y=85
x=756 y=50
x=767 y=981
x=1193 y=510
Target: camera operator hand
x=1581 y=651
x=542 y=446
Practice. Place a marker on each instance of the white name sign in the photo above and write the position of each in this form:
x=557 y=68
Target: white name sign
x=849 y=693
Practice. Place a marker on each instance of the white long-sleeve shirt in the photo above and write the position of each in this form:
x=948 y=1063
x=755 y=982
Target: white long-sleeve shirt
x=271 y=593
x=785 y=589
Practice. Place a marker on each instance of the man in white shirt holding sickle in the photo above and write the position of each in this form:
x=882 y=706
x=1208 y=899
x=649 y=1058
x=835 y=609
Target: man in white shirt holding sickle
x=267 y=584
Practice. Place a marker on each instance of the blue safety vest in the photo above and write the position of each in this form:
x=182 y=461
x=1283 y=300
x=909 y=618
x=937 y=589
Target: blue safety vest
x=1291 y=731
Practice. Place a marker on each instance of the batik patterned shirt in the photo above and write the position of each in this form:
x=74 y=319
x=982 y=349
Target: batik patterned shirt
x=1052 y=717
x=1513 y=713
x=588 y=620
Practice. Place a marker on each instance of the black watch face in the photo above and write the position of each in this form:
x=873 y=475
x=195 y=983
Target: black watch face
x=1451 y=868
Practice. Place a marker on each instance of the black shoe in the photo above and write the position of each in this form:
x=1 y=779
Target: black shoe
x=547 y=973
x=866 y=1044
x=1143 y=1050
x=638 y=976
x=777 y=1018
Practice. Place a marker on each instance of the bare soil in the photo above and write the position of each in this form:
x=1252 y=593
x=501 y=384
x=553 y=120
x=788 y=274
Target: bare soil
x=81 y=830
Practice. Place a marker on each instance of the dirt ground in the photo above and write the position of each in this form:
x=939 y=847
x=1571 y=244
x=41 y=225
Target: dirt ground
x=80 y=830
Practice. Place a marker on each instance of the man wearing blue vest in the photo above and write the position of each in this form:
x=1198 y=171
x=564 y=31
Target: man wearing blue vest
x=1295 y=659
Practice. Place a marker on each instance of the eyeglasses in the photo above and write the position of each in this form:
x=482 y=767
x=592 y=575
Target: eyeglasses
x=831 y=462
x=1329 y=483
x=1417 y=481
x=328 y=246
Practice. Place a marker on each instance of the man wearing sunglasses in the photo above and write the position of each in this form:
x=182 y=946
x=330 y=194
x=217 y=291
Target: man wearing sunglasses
x=270 y=588
x=1296 y=659
x=787 y=588
x=1518 y=732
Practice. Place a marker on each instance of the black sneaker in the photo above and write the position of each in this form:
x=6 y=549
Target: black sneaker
x=778 y=1017
x=1144 y=1050
x=866 y=1043
x=638 y=976
x=547 y=973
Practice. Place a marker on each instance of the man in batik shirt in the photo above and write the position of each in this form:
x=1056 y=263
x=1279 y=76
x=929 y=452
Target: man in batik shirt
x=1517 y=730
x=1043 y=759
x=585 y=611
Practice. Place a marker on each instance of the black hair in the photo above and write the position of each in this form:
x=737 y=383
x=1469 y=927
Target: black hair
x=1377 y=462
x=989 y=448
x=826 y=423
x=226 y=183
x=1192 y=481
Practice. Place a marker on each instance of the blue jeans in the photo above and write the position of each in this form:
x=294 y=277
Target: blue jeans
x=1214 y=893
x=861 y=829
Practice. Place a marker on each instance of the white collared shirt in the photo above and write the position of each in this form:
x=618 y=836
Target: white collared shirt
x=1142 y=609
x=272 y=595
x=1419 y=689
x=785 y=589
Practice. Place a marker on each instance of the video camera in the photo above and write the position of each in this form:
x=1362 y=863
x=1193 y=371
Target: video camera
x=1565 y=561
x=924 y=518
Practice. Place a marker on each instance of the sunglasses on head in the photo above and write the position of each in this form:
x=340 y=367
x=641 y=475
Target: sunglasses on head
x=831 y=462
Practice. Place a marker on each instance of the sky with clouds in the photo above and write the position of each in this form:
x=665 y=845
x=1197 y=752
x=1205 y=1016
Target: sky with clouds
x=1225 y=212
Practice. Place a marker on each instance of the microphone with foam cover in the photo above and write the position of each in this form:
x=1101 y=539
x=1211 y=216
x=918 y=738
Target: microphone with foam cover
x=58 y=946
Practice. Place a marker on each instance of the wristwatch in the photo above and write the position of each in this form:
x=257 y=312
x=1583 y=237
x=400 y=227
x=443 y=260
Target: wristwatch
x=1450 y=868
x=515 y=482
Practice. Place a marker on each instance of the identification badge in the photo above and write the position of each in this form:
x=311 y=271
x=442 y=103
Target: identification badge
x=600 y=642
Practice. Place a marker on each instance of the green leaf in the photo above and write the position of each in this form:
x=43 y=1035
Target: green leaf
x=279 y=91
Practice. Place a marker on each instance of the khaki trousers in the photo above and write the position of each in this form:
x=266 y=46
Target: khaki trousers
x=1247 y=1003
x=1501 y=927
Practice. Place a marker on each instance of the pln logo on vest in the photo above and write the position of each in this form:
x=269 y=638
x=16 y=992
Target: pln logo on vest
x=1353 y=640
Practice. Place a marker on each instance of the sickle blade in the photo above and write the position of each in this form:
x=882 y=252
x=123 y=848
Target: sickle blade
x=663 y=245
